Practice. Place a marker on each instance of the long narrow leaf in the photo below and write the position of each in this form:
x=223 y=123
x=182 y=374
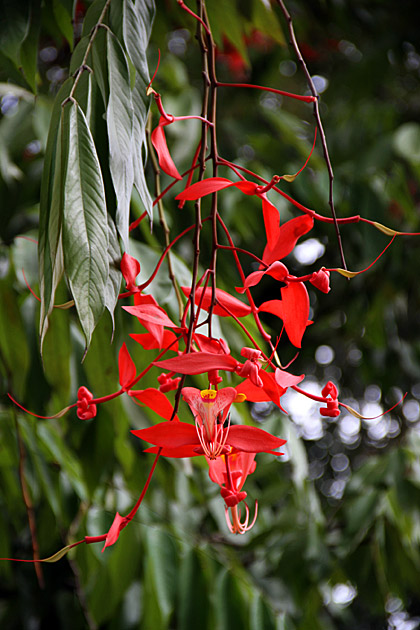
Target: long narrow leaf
x=85 y=230
x=137 y=25
x=119 y=117
x=51 y=208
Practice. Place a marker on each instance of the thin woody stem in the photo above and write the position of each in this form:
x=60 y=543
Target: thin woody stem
x=83 y=66
x=29 y=506
x=209 y=50
x=265 y=335
x=301 y=60
x=162 y=220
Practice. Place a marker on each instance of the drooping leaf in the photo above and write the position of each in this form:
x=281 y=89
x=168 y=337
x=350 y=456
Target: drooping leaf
x=51 y=207
x=113 y=284
x=85 y=230
x=119 y=117
x=137 y=25
x=14 y=27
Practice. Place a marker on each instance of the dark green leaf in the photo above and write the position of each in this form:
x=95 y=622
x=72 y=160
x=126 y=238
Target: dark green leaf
x=51 y=208
x=85 y=231
x=119 y=116
x=137 y=25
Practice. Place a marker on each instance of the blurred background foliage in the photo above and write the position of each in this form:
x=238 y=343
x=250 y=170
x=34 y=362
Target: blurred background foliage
x=336 y=543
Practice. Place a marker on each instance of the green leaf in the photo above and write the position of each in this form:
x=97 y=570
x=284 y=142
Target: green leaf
x=137 y=25
x=230 y=604
x=226 y=21
x=265 y=20
x=85 y=230
x=57 y=352
x=193 y=606
x=113 y=285
x=261 y=617
x=63 y=19
x=29 y=48
x=162 y=556
x=13 y=344
x=51 y=208
x=14 y=27
x=119 y=117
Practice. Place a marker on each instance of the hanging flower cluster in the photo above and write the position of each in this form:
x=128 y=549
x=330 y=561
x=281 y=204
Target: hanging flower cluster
x=199 y=422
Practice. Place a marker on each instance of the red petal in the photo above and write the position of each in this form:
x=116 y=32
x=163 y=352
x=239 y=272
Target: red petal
x=270 y=390
x=224 y=398
x=276 y=270
x=246 y=187
x=198 y=363
x=295 y=306
x=207 y=344
x=130 y=269
x=165 y=161
x=288 y=235
x=203 y=188
x=126 y=367
x=169 y=435
x=118 y=524
x=235 y=306
x=285 y=380
x=182 y=451
x=155 y=400
x=275 y=307
x=149 y=342
x=252 y=439
x=150 y=313
x=271 y=222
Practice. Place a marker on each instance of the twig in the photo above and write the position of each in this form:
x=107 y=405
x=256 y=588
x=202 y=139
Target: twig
x=301 y=60
x=162 y=219
x=28 y=505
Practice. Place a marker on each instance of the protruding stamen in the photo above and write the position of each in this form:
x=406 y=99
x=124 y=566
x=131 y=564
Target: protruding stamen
x=235 y=526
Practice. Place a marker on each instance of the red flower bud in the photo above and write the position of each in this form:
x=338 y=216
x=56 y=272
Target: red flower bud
x=167 y=383
x=85 y=411
x=321 y=280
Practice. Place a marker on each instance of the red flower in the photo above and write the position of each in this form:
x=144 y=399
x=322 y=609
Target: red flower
x=230 y=473
x=208 y=437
